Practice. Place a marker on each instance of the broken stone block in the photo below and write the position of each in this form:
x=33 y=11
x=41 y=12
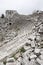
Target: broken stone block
x=19 y=59
x=32 y=62
x=17 y=63
x=17 y=55
x=38 y=44
x=10 y=59
x=41 y=57
x=27 y=47
x=39 y=61
x=27 y=53
x=33 y=56
x=32 y=44
x=41 y=51
x=37 y=51
x=25 y=61
x=28 y=42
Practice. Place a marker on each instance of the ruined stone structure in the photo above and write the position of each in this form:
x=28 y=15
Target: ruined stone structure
x=21 y=39
x=10 y=13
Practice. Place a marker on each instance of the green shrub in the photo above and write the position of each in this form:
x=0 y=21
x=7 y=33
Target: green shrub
x=22 y=49
x=4 y=62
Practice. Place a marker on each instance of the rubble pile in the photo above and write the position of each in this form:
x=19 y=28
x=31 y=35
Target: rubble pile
x=25 y=48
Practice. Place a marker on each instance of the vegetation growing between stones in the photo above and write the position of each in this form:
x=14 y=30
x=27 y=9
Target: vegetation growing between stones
x=4 y=62
x=22 y=50
x=14 y=57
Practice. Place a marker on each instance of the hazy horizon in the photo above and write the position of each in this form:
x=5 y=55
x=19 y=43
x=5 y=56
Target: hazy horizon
x=22 y=6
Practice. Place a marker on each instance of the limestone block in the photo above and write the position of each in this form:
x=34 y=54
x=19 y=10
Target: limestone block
x=40 y=61
x=33 y=56
x=37 y=50
x=32 y=44
x=17 y=55
x=41 y=57
x=10 y=59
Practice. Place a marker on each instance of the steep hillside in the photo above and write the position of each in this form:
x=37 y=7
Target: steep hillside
x=21 y=38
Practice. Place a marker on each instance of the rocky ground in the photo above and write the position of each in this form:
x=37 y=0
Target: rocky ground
x=21 y=43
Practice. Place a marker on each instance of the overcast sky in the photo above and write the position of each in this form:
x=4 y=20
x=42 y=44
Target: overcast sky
x=22 y=6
